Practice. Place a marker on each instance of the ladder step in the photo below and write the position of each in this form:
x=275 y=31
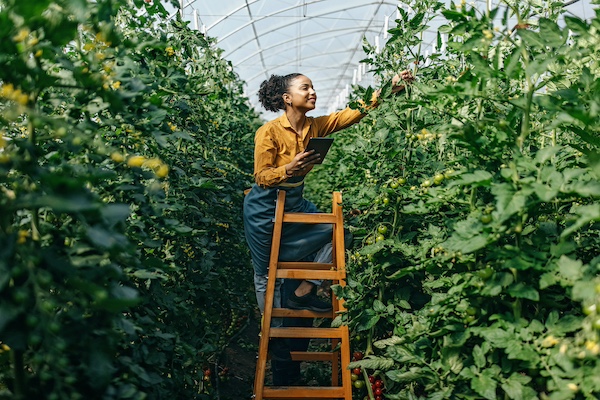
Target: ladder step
x=305 y=265
x=310 y=274
x=310 y=218
x=312 y=333
x=303 y=392
x=289 y=313
x=313 y=356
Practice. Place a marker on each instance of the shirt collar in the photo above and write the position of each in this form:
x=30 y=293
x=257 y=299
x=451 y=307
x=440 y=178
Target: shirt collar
x=283 y=120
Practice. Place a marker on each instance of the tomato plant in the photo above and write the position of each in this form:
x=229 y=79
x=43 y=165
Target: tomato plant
x=121 y=248
x=478 y=292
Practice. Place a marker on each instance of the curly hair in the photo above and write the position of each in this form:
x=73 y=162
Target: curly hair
x=271 y=90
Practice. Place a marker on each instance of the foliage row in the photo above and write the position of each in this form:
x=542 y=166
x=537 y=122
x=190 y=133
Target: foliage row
x=476 y=200
x=124 y=141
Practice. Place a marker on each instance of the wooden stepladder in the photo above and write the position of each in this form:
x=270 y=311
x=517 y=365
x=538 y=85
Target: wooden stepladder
x=339 y=356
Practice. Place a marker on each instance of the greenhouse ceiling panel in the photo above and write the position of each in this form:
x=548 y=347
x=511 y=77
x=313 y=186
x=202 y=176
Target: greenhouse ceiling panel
x=322 y=39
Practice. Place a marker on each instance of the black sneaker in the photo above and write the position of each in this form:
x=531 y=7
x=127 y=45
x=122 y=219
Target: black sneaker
x=279 y=350
x=309 y=301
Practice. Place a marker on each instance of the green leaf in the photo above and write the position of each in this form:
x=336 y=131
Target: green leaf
x=479 y=357
x=367 y=320
x=522 y=291
x=485 y=386
x=577 y=25
x=513 y=386
x=145 y=274
x=412 y=375
x=373 y=362
x=392 y=341
x=551 y=33
x=508 y=201
x=454 y=15
x=531 y=38
x=378 y=306
x=568 y=323
x=569 y=269
x=114 y=213
x=477 y=178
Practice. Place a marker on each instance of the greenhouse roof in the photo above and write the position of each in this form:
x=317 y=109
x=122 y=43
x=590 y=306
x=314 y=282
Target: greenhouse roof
x=318 y=38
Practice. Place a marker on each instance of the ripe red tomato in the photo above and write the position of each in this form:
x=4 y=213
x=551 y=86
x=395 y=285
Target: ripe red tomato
x=358 y=355
x=377 y=392
x=379 y=383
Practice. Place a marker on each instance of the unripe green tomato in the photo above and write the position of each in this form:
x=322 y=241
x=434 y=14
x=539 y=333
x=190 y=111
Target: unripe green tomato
x=485 y=273
x=401 y=181
x=31 y=320
x=386 y=201
x=590 y=309
x=379 y=238
x=426 y=183
x=354 y=377
x=20 y=295
x=382 y=229
x=486 y=219
x=438 y=178
x=471 y=311
x=54 y=327
x=518 y=228
x=359 y=384
x=394 y=184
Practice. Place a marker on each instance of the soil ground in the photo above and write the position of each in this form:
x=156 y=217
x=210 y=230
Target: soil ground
x=240 y=358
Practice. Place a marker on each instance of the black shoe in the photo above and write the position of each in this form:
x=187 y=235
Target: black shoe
x=279 y=350
x=309 y=301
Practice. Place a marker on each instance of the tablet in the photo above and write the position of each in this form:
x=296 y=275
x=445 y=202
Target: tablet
x=320 y=145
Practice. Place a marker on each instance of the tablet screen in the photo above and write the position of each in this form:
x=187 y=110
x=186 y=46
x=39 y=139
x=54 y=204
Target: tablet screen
x=320 y=145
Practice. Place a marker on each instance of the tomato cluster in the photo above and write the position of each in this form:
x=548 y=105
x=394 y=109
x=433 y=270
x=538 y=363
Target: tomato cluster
x=377 y=384
x=377 y=387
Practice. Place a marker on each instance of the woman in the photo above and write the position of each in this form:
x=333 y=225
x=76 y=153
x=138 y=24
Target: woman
x=280 y=163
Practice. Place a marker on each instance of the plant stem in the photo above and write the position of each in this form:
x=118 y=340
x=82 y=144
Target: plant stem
x=35 y=218
x=19 y=374
x=472 y=198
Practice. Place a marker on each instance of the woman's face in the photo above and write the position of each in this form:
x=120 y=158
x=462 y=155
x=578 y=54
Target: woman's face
x=301 y=94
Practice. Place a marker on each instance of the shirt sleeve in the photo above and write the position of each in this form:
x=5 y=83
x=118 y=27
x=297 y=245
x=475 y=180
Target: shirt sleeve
x=266 y=172
x=339 y=120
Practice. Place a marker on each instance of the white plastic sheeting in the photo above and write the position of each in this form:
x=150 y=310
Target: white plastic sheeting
x=321 y=39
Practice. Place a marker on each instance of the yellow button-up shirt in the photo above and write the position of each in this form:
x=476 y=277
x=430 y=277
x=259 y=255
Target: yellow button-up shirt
x=276 y=143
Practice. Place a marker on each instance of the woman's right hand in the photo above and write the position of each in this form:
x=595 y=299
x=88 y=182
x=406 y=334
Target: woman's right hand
x=302 y=163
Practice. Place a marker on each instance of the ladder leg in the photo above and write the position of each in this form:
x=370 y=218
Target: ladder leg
x=345 y=352
x=261 y=363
